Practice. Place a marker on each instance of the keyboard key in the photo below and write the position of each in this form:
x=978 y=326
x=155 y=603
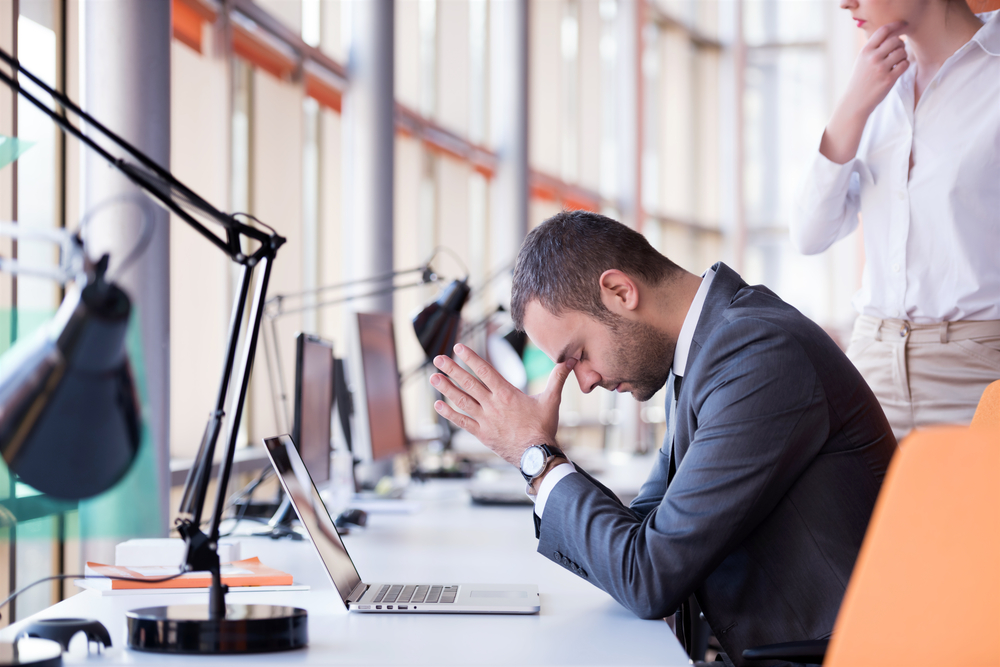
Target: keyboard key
x=393 y=593
x=381 y=593
x=434 y=594
x=419 y=594
x=406 y=594
x=448 y=594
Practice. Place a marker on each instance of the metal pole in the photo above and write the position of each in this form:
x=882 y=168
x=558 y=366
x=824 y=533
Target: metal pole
x=369 y=143
x=509 y=189
x=127 y=65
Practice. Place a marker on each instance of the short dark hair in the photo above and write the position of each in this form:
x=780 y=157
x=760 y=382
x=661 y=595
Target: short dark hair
x=561 y=261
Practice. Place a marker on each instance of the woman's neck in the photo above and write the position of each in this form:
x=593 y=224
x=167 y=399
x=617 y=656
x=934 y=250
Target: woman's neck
x=944 y=29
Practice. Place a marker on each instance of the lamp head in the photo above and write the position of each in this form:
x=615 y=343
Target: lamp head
x=437 y=326
x=69 y=415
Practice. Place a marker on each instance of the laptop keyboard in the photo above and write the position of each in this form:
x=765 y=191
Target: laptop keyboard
x=412 y=594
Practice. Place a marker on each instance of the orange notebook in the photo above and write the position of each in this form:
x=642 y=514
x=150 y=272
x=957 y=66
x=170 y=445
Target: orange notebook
x=247 y=572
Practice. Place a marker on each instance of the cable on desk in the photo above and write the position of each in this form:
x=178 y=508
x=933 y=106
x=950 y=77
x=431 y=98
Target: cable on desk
x=86 y=576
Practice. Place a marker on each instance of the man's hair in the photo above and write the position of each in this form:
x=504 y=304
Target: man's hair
x=561 y=261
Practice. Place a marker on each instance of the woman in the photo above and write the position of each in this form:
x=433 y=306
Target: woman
x=914 y=145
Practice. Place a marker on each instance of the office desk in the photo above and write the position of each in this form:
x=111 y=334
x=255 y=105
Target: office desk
x=447 y=540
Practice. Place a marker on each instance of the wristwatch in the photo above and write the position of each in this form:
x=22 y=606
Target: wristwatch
x=536 y=457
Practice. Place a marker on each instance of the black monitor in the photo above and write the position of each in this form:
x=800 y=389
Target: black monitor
x=314 y=387
x=378 y=405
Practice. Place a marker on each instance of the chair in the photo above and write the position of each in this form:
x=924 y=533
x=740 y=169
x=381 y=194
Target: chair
x=924 y=590
x=988 y=411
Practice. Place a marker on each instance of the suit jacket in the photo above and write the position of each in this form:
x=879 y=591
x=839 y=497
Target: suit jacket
x=781 y=449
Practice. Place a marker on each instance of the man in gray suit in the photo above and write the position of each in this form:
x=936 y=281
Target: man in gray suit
x=775 y=448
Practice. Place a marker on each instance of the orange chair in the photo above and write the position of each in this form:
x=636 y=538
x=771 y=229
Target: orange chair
x=926 y=586
x=988 y=410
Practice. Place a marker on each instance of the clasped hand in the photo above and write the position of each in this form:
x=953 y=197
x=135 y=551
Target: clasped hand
x=503 y=418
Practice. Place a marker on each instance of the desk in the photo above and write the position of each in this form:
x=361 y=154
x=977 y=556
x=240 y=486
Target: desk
x=447 y=540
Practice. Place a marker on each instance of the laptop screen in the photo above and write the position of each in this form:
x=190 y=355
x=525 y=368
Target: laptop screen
x=312 y=513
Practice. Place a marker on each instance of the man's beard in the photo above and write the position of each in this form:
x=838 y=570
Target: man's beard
x=643 y=357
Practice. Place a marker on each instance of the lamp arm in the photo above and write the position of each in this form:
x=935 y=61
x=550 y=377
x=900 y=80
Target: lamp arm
x=315 y=291
x=153 y=179
x=334 y=302
x=161 y=185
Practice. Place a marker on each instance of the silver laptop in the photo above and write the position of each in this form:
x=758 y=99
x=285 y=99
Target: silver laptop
x=419 y=598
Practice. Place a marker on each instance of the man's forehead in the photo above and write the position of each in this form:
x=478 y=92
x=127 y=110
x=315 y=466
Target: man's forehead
x=553 y=334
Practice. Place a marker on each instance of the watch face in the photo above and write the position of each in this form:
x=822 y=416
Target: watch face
x=533 y=460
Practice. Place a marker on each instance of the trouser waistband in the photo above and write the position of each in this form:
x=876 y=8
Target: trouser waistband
x=867 y=326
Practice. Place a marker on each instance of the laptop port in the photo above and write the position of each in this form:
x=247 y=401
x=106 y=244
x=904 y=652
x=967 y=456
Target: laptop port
x=389 y=606
x=402 y=606
x=378 y=606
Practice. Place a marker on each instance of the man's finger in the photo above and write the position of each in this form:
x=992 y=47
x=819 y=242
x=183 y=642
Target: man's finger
x=447 y=386
x=457 y=418
x=557 y=378
x=486 y=373
x=462 y=378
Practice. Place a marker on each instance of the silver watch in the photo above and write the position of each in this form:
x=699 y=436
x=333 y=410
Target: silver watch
x=535 y=458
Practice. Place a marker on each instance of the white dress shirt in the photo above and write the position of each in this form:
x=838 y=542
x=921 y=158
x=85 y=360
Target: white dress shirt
x=931 y=234
x=681 y=350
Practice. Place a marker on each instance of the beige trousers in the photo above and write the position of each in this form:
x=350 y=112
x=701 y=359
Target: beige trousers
x=925 y=374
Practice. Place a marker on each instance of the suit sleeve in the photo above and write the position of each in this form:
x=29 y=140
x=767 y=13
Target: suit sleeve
x=761 y=418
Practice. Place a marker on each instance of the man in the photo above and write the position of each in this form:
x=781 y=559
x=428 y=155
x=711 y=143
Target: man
x=775 y=449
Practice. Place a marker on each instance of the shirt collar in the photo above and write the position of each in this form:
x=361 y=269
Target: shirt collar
x=988 y=36
x=686 y=336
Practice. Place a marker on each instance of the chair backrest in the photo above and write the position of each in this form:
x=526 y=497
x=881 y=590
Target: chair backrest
x=926 y=587
x=988 y=410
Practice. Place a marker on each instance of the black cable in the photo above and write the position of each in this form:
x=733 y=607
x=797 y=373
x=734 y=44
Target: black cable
x=54 y=577
x=144 y=238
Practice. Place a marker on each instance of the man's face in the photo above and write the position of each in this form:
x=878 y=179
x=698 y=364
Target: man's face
x=625 y=356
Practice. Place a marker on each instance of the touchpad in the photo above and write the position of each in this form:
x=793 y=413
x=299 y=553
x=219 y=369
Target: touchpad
x=498 y=594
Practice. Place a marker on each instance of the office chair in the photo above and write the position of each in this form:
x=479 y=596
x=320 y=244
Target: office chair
x=924 y=588
x=988 y=411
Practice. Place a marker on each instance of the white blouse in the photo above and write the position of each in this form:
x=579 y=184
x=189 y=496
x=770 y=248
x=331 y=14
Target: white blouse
x=931 y=234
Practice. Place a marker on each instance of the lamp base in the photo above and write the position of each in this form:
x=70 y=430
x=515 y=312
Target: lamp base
x=31 y=651
x=251 y=628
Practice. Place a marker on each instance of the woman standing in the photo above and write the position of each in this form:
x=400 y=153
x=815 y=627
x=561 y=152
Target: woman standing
x=914 y=145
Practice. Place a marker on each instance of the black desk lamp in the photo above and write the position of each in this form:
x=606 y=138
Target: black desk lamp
x=174 y=629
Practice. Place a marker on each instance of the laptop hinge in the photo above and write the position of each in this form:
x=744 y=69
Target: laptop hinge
x=358 y=592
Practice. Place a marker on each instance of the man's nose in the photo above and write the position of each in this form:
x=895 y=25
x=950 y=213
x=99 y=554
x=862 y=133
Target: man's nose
x=848 y=4
x=587 y=378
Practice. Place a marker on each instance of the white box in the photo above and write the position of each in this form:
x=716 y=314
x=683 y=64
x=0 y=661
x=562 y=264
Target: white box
x=166 y=551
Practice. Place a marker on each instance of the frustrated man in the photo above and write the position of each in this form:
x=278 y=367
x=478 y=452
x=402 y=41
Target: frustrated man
x=775 y=447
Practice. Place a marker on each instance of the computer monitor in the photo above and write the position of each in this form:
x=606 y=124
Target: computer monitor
x=378 y=408
x=314 y=387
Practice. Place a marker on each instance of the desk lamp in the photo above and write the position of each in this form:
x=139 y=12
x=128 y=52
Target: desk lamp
x=215 y=628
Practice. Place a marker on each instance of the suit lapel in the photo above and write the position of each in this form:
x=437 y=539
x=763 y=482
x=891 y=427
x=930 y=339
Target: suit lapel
x=724 y=288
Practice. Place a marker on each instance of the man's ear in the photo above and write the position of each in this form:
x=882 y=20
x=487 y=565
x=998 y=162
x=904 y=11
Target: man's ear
x=619 y=292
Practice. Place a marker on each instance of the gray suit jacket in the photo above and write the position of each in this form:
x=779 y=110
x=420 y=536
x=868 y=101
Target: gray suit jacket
x=781 y=450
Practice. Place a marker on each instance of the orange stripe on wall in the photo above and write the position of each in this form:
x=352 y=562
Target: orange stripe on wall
x=187 y=25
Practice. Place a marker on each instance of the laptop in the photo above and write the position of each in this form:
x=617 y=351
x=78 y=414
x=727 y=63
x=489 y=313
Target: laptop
x=419 y=598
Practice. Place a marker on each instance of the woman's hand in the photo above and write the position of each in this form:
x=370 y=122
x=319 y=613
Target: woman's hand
x=881 y=62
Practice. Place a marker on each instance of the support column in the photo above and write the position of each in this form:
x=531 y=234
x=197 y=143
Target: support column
x=368 y=150
x=508 y=134
x=127 y=87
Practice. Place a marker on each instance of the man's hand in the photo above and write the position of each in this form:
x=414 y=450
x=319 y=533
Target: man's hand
x=501 y=417
x=882 y=60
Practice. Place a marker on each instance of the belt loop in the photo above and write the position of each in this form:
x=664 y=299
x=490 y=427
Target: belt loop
x=943 y=330
x=878 y=329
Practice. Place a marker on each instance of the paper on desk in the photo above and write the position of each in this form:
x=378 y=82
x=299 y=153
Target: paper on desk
x=247 y=572
x=103 y=586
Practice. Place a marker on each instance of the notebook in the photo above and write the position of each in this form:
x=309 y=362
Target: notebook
x=435 y=597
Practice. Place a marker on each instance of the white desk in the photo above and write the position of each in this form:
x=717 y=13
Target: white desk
x=447 y=540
